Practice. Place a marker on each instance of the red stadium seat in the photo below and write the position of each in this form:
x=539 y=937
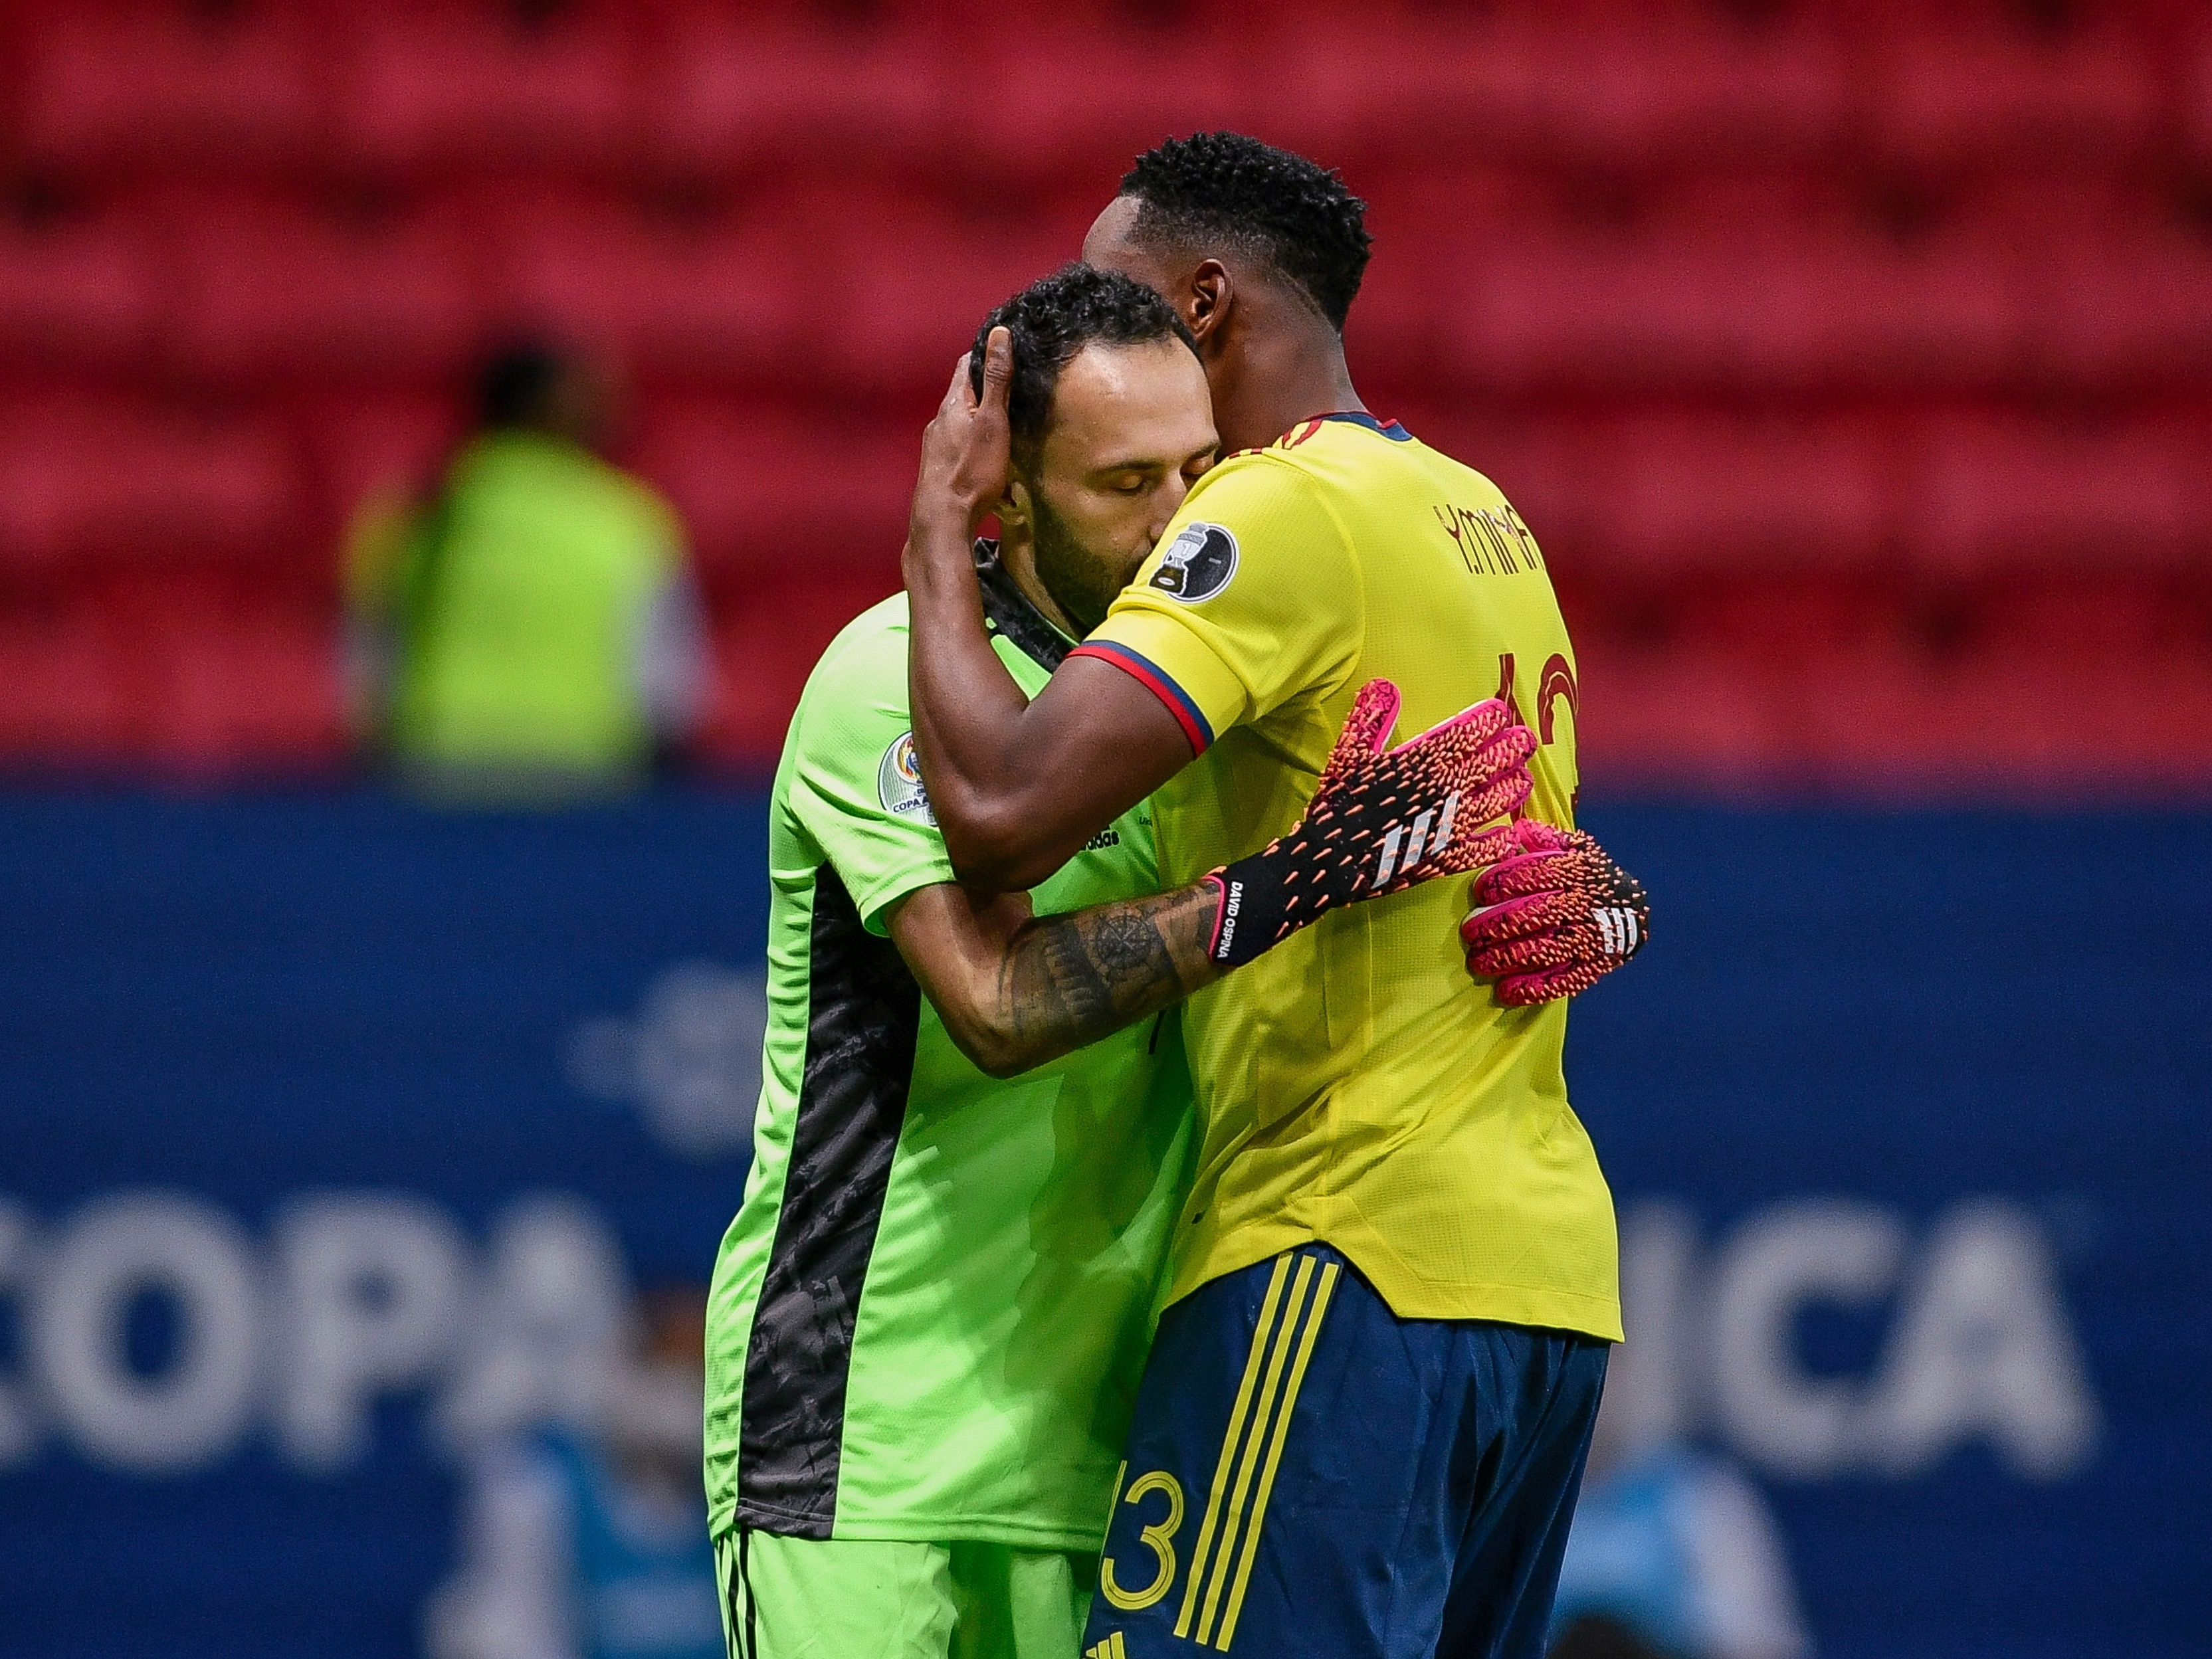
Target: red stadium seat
x=709 y=297
x=75 y=293
x=2106 y=499
x=1688 y=497
x=911 y=284
x=730 y=91
x=1628 y=90
x=1769 y=311
x=1960 y=97
x=767 y=640
x=165 y=84
x=274 y=288
x=764 y=488
x=174 y=673
x=66 y=700
x=445 y=90
x=1076 y=106
x=107 y=483
x=2197 y=96
x=2123 y=309
x=189 y=673
x=384 y=443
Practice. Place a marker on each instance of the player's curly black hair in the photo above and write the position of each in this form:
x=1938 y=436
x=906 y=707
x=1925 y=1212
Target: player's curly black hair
x=1296 y=214
x=1054 y=318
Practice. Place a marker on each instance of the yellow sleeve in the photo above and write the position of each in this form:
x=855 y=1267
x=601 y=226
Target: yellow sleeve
x=1252 y=598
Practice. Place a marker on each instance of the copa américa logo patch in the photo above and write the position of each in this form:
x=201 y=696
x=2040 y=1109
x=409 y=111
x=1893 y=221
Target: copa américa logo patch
x=898 y=783
x=1198 y=563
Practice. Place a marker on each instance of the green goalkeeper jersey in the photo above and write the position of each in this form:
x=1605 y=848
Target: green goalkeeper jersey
x=929 y=1319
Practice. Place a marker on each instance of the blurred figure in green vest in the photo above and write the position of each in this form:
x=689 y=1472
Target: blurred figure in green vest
x=529 y=629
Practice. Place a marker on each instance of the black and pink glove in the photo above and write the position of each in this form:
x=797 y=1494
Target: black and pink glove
x=1553 y=917
x=1382 y=820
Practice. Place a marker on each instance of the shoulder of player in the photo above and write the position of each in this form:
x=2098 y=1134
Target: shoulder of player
x=1271 y=469
x=1259 y=482
x=862 y=673
x=1451 y=469
x=650 y=516
x=1268 y=499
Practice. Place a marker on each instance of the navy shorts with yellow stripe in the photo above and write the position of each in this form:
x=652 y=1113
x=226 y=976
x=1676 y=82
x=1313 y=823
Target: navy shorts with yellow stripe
x=1309 y=1473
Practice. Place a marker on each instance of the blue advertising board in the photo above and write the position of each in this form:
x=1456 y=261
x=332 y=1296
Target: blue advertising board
x=340 y=1137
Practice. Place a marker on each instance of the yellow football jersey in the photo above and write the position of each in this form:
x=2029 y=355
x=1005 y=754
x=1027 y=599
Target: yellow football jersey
x=1356 y=1086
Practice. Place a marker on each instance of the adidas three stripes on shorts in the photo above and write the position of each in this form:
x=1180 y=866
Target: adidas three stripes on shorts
x=1309 y=1473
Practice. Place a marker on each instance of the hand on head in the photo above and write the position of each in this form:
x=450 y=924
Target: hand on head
x=967 y=450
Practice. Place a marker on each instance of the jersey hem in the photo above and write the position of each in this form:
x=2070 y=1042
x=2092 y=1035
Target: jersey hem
x=951 y=1529
x=1577 y=1311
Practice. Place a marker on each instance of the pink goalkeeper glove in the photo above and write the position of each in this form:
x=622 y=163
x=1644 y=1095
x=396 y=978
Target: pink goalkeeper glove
x=1381 y=820
x=1553 y=919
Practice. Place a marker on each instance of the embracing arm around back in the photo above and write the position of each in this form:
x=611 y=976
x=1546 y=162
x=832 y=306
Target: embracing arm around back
x=1017 y=990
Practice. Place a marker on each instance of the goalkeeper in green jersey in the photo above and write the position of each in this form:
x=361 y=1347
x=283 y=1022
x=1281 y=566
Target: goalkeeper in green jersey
x=929 y=1318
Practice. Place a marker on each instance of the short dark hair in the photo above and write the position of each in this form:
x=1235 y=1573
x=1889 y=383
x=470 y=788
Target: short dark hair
x=1296 y=215
x=1054 y=318
x=517 y=381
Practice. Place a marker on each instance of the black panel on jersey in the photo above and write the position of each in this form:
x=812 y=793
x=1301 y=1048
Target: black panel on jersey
x=865 y=1010
x=1011 y=613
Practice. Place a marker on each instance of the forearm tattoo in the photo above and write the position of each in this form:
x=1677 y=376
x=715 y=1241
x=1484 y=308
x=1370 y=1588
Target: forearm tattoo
x=1073 y=979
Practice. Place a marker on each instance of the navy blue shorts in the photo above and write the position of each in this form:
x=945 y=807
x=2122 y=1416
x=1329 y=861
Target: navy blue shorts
x=1310 y=1474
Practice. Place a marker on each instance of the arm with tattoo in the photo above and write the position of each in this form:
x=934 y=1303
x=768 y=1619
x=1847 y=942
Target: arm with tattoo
x=1016 y=990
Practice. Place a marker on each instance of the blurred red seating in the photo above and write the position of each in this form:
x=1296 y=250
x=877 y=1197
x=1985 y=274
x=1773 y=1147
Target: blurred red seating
x=1630 y=89
x=2197 y=95
x=449 y=88
x=75 y=293
x=179 y=670
x=384 y=443
x=107 y=483
x=727 y=91
x=1956 y=97
x=1685 y=497
x=2124 y=309
x=287 y=288
x=168 y=84
x=762 y=488
x=1773 y=310
x=700 y=297
x=1997 y=489
x=66 y=700
x=1626 y=263
x=1077 y=105
x=767 y=640
x=912 y=283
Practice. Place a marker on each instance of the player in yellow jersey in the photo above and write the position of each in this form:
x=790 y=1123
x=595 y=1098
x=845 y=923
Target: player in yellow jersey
x=1363 y=1422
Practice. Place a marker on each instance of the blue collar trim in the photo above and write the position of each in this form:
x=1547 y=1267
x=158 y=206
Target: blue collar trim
x=1391 y=429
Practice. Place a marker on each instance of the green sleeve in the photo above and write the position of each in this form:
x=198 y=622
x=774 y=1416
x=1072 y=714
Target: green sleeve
x=854 y=785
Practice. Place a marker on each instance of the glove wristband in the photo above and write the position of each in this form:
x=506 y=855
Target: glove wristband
x=1248 y=920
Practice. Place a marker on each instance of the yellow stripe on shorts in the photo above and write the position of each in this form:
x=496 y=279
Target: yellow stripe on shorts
x=1275 y=1454
x=1237 y=1414
x=1261 y=1419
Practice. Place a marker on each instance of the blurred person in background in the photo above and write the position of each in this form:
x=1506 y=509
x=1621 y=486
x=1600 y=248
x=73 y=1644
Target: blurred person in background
x=587 y=1538
x=1673 y=1555
x=529 y=629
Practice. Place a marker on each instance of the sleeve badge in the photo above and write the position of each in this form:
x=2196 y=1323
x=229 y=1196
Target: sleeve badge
x=1198 y=563
x=898 y=783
